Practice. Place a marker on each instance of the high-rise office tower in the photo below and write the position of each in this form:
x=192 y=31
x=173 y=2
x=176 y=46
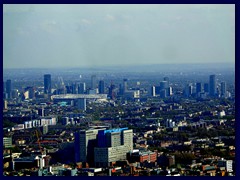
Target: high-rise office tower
x=206 y=87
x=163 y=85
x=163 y=89
x=68 y=89
x=81 y=104
x=81 y=88
x=101 y=87
x=157 y=89
x=223 y=89
x=110 y=138
x=127 y=138
x=212 y=85
x=120 y=89
x=113 y=139
x=74 y=88
x=113 y=145
x=153 y=91
x=47 y=84
x=101 y=147
x=125 y=85
x=163 y=93
x=9 y=88
x=166 y=79
x=188 y=90
x=85 y=141
x=199 y=87
x=169 y=91
x=61 y=89
x=111 y=91
x=93 y=82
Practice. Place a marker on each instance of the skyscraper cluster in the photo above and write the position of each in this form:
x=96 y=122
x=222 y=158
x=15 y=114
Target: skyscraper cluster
x=211 y=89
x=163 y=90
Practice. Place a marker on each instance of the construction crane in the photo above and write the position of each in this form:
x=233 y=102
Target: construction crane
x=38 y=140
x=41 y=157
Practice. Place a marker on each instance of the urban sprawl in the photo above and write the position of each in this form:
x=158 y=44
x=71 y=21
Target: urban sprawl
x=118 y=124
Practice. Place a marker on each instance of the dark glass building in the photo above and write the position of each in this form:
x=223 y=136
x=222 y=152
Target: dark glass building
x=206 y=87
x=101 y=87
x=93 y=81
x=199 y=87
x=125 y=85
x=9 y=88
x=47 y=84
x=212 y=85
x=81 y=88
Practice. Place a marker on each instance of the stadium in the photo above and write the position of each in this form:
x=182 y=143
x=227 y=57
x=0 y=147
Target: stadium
x=69 y=97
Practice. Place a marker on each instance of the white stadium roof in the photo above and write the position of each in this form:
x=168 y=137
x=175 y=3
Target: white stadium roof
x=79 y=96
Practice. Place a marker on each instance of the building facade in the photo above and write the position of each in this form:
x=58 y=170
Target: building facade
x=101 y=147
x=81 y=88
x=101 y=87
x=85 y=141
x=153 y=91
x=9 y=88
x=223 y=89
x=93 y=81
x=199 y=87
x=7 y=142
x=47 y=84
x=82 y=104
x=113 y=145
x=212 y=85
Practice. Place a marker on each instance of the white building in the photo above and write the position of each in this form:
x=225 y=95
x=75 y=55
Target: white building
x=7 y=142
x=49 y=121
x=228 y=164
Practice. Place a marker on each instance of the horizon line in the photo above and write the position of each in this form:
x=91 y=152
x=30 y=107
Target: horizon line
x=122 y=65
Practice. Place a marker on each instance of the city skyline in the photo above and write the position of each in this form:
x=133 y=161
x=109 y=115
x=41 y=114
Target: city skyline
x=40 y=36
x=170 y=121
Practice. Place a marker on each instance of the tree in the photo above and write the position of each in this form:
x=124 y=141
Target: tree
x=15 y=149
x=8 y=123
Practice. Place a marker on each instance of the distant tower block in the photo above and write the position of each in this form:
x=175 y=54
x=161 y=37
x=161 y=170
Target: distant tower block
x=199 y=87
x=166 y=79
x=125 y=85
x=101 y=87
x=93 y=81
x=9 y=88
x=163 y=85
x=5 y=104
x=47 y=84
x=206 y=87
x=153 y=91
x=223 y=89
x=81 y=88
x=81 y=103
x=212 y=85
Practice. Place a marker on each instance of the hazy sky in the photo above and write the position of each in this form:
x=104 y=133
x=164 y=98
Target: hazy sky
x=93 y=35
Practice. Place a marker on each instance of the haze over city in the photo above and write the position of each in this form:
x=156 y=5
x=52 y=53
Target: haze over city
x=119 y=90
x=40 y=36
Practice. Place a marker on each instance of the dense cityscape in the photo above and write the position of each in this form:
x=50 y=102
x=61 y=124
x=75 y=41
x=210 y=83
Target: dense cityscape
x=154 y=120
